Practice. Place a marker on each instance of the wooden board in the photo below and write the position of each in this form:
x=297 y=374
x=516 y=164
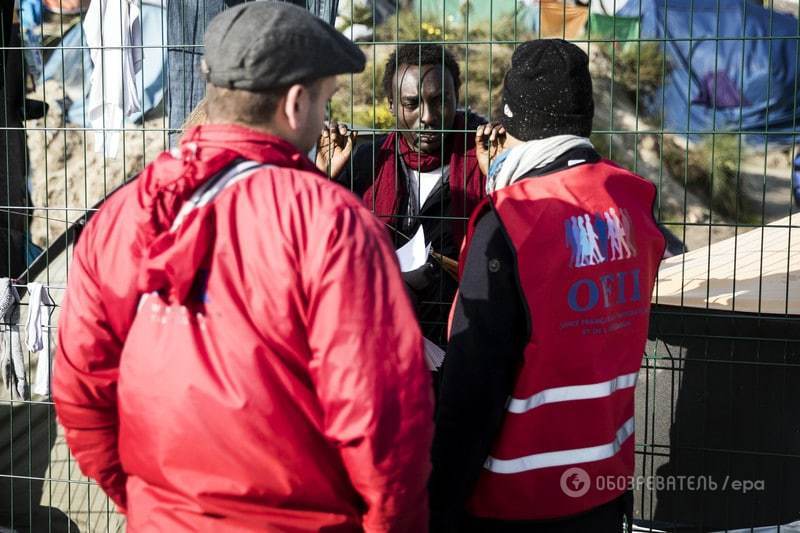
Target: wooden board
x=756 y=271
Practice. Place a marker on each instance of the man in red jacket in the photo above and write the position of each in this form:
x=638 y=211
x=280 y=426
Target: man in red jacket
x=236 y=349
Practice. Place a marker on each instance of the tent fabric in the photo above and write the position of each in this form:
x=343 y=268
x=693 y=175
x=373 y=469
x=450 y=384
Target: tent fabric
x=623 y=30
x=750 y=53
x=562 y=21
x=607 y=7
x=796 y=180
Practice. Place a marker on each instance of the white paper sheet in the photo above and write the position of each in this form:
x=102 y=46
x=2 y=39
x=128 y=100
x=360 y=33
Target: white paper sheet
x=414 y=253
x=434 y=356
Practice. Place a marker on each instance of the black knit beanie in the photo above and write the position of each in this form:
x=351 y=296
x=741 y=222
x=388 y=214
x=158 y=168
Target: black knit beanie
x=548 y=91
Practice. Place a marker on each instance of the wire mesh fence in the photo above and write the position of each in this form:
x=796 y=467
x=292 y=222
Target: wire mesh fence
x=698 y=96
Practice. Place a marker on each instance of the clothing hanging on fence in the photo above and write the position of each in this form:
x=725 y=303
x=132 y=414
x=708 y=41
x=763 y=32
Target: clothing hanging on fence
x=70 y=65
x=37 y=337
x=114 y=34
x=12 y=362
x=186 y=27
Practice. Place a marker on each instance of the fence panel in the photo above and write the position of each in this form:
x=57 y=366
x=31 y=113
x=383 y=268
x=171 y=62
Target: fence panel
x=698 y=96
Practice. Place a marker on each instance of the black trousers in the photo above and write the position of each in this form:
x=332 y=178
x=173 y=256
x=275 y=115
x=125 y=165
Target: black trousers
x=607 y=518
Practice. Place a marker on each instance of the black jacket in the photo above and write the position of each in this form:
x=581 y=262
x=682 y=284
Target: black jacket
x=431 y=289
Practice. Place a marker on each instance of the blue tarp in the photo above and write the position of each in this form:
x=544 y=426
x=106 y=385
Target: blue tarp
x=744 y=82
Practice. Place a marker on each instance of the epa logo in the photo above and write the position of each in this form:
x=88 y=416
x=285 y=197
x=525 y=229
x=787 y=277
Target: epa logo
x=575 y=482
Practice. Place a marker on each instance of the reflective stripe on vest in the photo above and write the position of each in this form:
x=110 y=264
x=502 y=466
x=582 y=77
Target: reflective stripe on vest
x=574 y=392
x=562 y=457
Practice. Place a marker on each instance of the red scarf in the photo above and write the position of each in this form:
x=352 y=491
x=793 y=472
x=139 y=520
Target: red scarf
x=466 y=180
x=171 y=260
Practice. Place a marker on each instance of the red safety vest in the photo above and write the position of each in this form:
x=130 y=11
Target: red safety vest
x=588 y=251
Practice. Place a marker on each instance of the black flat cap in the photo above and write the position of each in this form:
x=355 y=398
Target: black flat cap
x=258 y=46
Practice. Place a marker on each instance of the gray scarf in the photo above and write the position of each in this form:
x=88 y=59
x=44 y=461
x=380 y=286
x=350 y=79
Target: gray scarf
x=518 y=161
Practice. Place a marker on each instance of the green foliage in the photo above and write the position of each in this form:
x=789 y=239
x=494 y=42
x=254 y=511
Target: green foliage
x=602 y=143
x=712 y=169
x=483 y=65
x=641 y=66
x=403 y=26
x=483 y=68
x=359 y=101
x=363 y=115
x=639 y=69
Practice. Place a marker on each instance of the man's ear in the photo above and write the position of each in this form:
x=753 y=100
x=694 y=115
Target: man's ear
x=295 y=106
x=391 y=106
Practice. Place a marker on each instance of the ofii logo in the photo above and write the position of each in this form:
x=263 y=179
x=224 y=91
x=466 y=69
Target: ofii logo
x=608 y=236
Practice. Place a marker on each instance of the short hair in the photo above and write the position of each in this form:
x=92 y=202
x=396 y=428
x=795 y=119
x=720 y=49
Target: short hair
x=420 y=54
x=251 y=108
x=197 y=117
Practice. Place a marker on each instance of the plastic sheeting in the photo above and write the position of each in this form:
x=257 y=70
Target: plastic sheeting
x=733 y=66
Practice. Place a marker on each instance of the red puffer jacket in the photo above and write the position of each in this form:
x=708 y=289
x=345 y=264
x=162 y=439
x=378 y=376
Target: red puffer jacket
x=272 y=375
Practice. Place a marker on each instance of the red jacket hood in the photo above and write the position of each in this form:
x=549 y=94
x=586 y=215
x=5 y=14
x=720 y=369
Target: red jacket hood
x=172 y=258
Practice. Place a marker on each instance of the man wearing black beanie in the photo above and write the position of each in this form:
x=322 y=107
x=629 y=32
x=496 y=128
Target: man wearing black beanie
x=534 y=429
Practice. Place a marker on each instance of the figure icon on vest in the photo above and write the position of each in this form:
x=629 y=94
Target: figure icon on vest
x=583 y=241
x=618 y=235
x=608 y=238
x=627 y=225
x=596 y=256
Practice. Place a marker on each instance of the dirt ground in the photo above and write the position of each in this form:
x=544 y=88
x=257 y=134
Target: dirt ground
x=68 y=176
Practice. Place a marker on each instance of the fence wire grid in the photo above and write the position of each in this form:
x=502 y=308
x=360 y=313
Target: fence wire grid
x=698 y=96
